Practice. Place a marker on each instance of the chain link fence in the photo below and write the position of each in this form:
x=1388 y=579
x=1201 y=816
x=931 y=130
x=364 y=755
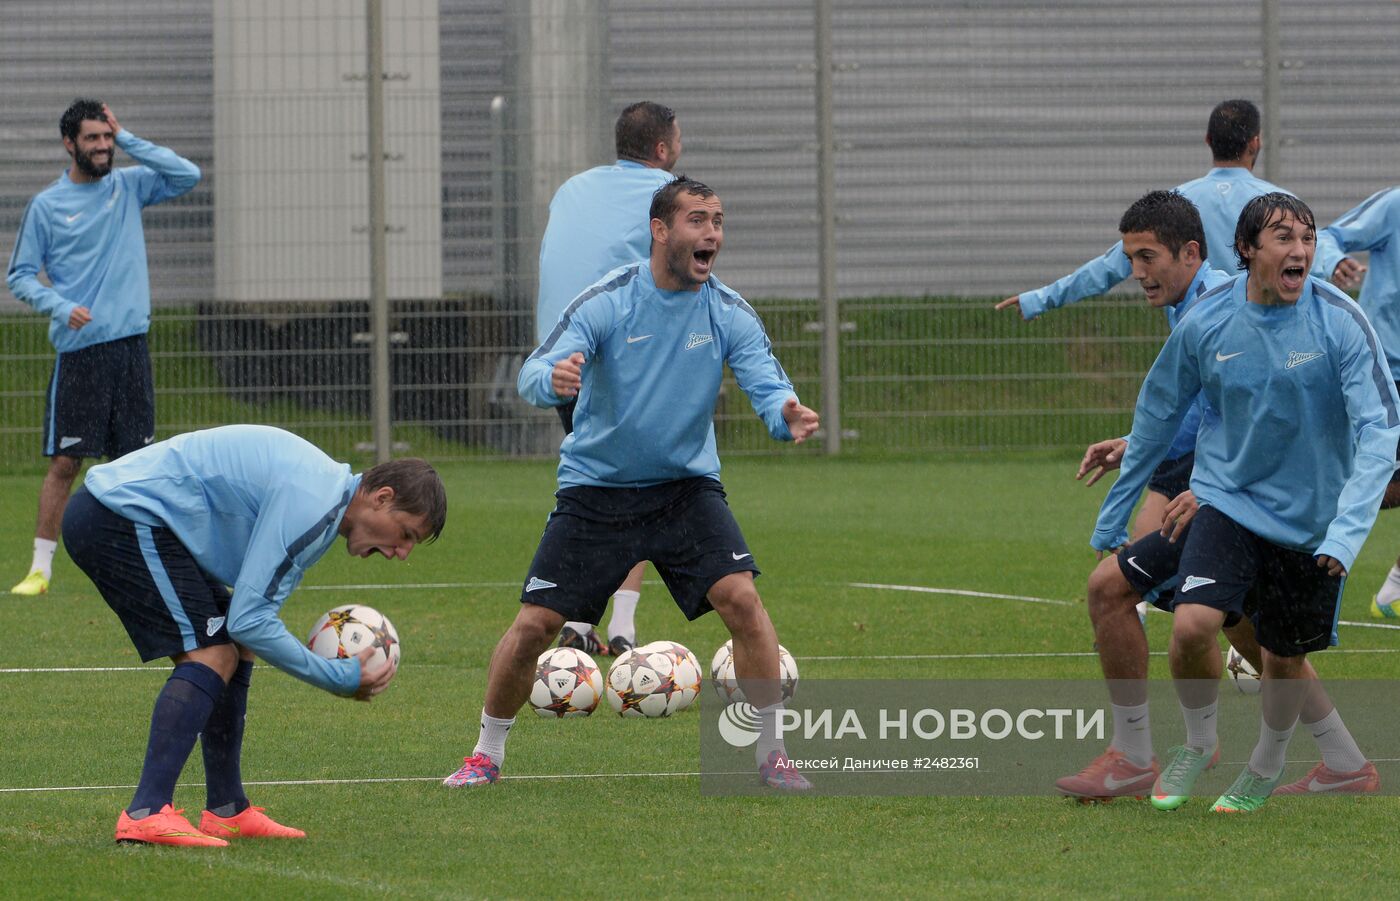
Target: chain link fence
x=980 y=150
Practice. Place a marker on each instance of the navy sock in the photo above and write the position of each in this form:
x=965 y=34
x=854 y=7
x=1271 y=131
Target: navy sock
x=222 y=743
x=182 y=708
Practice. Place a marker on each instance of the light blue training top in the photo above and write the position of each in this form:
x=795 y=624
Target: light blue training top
x=1205 y=279
x=1373 y=226
x=255 y=506
x=88 y=240
x=1219 y=196
x=598 y=220
x=1298 y=438
x=654 y=360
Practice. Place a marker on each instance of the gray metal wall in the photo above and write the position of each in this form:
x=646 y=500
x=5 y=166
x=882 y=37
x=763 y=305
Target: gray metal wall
x=984 y=147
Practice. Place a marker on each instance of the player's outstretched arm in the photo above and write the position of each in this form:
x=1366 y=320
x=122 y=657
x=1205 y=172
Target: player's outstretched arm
x=801 y=421
x=1101 y=457
x=373 y=681
x=1094 y=277
x=1011 y=303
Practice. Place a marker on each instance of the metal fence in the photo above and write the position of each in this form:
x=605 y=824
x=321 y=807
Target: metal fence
x=978 y=150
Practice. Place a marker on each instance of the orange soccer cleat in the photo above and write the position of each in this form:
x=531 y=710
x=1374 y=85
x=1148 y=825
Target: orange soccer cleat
x=251 y=823
x=167 y=827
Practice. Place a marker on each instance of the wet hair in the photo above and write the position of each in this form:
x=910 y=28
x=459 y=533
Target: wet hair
x=1263 y=211
x=1169 y=216
x=640 y=127
x=71 y=122
x=666 y=200
x=418 y=490
x=1233 y=124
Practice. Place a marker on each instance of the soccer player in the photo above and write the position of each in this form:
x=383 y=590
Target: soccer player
x=1233 y=136
x=84 y=232
x=599 y=220
x=1373 y=226
x=1162 y=238
x=642 y=354
x=164 y=529
x=1273 y=353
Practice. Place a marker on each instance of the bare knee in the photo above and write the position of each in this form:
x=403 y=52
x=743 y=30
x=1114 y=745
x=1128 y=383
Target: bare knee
x=735 y=598
x=1109 y=591
x=65 y=469
x=1195 y=627
x=534 y=628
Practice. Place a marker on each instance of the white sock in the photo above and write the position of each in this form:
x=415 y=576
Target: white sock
x=624 y=606
x=1390 y=589
x=768 y=738
x=1132 y=733
x=1200 y=727
x=1267 y=759
x=580 y=628
x=1339 y=750
x=492 y=740
x=43 y=556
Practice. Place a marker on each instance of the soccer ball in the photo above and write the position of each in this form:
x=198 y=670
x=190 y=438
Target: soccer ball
x=567 y=683
x=1241 y=672
x=350 y=628
x=727 y=684
x=685 y=671
x=642 y=683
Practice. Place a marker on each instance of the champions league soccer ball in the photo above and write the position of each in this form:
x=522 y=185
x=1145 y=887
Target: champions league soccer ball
x=642 y=683
x=567 y=683
x=349 y=629
x=727 y=684
x=1241 y=672
x=685 y=670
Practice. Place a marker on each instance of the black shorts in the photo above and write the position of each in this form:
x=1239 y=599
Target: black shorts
x=596 y=535
x=101 y=400
x=1152 y=567
x=166 y=602
x=566 y=415
x=1171 y=477
x=1293 y=602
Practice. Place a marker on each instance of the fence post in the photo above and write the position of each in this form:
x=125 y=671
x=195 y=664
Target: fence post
x=1273 y=131
x=378 y=275
x=826 y=215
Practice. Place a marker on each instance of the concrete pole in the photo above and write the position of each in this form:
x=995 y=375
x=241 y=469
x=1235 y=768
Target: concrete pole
x=378 y=256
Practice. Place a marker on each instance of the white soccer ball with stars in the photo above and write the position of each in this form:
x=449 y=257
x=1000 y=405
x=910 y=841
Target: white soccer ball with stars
x=727 y=684
x=567 y=683
x=642 y=683
x=685 y=670
x=1241 y=672
x=350 y=628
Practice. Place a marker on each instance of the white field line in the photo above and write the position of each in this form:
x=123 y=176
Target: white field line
x=921 y=589
x=371 y=780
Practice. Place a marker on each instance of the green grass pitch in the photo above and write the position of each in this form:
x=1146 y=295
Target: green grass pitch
x=612 y=810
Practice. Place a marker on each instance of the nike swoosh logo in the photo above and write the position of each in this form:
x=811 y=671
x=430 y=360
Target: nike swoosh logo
x=69 y=442
x=1221 y=358
x=73 y=218
x=1137 y=719
x=739 y=556
x=631 y=340
x=234 y=829
x=1114 y=784
x=1315 y=786
x=1132 y=561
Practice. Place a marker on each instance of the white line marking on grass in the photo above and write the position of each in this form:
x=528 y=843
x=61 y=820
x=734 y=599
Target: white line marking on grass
x=1345 y=622
x=405 y=586
x=959 y=591
x=1013 y=655
x=370 y=780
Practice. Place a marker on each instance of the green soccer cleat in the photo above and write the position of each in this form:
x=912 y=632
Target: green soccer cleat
x=33 y=585
x=1248 y=794
x=1179 y=775
x=1383 y=611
